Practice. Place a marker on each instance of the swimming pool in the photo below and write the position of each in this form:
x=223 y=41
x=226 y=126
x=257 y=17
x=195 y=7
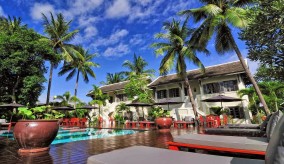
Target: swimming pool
x=71 y=135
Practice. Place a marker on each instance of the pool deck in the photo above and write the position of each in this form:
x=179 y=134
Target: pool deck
x=78 y=152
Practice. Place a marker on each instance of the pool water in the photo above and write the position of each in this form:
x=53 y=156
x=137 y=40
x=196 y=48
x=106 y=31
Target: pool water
x=71 y=135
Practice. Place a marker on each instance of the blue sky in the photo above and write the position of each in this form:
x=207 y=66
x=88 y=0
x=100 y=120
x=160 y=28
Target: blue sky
x=114 y=29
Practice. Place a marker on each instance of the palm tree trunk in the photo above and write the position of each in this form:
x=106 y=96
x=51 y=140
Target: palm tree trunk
x=252 y=80
x=190 y=95
x=14 y=90
x=49 y=82
x=76 y=87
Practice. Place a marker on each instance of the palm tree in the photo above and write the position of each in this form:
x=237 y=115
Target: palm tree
x=66 y=98
x=137 y=67
x=83 y=66
x=58 y=34
x=177 y=52
x=98 y=97
x=218 y=16
x=122 y=107
x=253 y=100
x=113 y=78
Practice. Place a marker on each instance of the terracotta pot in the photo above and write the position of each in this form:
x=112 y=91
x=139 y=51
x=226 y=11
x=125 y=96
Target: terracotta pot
x=35 y=135
x=164 y=122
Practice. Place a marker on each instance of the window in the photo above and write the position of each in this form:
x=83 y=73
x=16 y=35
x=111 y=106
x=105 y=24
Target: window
x=162 y=94
x=185 y=92
x=174 y=92
x=237 y=112
x=121 y=97
x=225 y=86
x=110 y=99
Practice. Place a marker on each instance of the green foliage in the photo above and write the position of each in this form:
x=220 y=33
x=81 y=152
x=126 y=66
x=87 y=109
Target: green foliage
x=264 y=37
x=137 y=67
x=217 y=110
x=41 y=112
x=22 y=62
x=137 y=86
x=119 y=118
x=114 y=78
x=66 y=99
x=273 y=93
x=122 y=107
x=156 y=112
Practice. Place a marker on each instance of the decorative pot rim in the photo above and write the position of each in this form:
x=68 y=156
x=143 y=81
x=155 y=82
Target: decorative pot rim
x=39 y=120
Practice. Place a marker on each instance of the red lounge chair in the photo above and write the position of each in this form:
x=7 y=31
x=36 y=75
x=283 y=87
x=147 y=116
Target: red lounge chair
x=74 y=122
x=65 y=121
x=83 y=121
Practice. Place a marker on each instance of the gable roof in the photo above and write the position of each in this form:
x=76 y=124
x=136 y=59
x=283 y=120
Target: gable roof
x=211 y=71
x=113 y=87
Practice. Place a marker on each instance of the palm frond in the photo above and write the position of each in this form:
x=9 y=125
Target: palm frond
x=237 y=17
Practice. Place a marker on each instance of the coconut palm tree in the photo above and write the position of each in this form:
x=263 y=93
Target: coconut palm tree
x=58 y=34
x=114 y=78
x=122 y=107
x=83 y=66
x=137 y=67
x=177 y=51
x=66 y=99
x=218 y=18
x=98 y=97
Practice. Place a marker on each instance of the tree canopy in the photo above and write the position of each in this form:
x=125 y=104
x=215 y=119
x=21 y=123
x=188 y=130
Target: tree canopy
x=265 y=36
x=22 y=53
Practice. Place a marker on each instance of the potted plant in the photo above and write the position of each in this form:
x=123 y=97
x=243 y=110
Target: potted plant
x=162 y=117
x=119 y=119
x=37 y=129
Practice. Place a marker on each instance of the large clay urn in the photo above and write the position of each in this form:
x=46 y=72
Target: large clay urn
x=35 y=135
x=164 y=122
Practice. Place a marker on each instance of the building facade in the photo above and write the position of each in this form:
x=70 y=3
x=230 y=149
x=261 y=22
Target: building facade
x=224 y=79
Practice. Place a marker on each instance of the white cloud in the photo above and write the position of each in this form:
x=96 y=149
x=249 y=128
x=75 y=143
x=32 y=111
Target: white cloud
x=38 y=8
x=136 y=40
x=85 y=21
x=2 y=11
x=112 y=39
x=90 y=31
x=119 y=8
x=78 y=7
x=117 y=51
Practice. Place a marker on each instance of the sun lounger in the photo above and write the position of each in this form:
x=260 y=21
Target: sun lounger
x=232 y=144
x=261 y=132
x=235 y=132
x=150 y=155
x=141 y=154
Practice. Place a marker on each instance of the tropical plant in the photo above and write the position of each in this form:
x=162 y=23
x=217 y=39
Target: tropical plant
x=264 y=37
x=137 y=87
x=177 y=51
x=121 y=108
x=114 y=78
x=39 y=113
x=58 y=36
x=273 y=92
x=137 y=67
x=22 y=62
x=119 y=118
x=218 y=16
x=156 y=112
x=83 y=66
x=66 y=99
x=98 y=97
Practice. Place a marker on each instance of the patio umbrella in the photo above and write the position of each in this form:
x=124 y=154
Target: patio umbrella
x=65 y=108
x=222 y=98
x=12 y=105
x=168 y=102
x=88 y=107
x=137 y=104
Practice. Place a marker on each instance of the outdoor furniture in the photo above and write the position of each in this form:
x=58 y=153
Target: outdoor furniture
x=232 y=144
x=183 y=124
x=83 y=121
x=74 y=122
x=146 y=124
x=65 y=121
x=151 y=155
x=260 y=132
x=213 y=121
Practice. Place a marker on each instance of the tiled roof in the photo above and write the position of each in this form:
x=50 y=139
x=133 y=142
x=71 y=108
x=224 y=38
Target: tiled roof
x=113 y=87
x=217 y=70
